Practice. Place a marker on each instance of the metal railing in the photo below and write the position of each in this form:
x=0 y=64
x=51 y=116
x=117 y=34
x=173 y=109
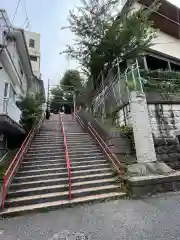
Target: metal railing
x=13 y=167
x=68 y=166
x=111 y=156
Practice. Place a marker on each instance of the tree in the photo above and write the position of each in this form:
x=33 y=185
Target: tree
x=56 y=100
x=31 y=111
x=72 y=83
x=101 y=37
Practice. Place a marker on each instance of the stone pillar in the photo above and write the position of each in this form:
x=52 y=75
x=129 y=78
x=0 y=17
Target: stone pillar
x=145 y=151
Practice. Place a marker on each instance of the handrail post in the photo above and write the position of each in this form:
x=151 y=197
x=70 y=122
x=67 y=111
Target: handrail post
x=3 y=192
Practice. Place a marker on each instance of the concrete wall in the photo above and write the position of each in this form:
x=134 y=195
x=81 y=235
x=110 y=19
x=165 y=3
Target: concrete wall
x=34 y=51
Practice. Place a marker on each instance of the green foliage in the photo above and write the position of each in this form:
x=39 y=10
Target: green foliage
x=31 y=111
x=56 y=98
x=128 y=131
x=101 y=37
x=165 y=82
x=71 y=83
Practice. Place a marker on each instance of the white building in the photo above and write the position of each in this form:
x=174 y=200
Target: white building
x=164 y=53
x=33 y=44
x=16 y=76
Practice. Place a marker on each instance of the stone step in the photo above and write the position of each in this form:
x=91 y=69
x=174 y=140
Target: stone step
x=89 y=163
x=79 y=139
x=44 y=158
x=47 y=150
x=50 y=162
x=41 y=154
x=14 y=211
x=49 y=180
x=42 y=166
x=62 y=166
x=48 y=196
x=83 y=145
x=86 y=157
x=74 y=155
x=28 y=172
x=46 y=144
x=83 y=151
x=42 y=147
x=62 y=174
x=74 y=170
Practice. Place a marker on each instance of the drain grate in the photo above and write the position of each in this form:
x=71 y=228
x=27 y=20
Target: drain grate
x=70 y=236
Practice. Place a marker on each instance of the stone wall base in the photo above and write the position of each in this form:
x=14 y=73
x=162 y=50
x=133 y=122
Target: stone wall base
x=148 y=185
x=145 y=169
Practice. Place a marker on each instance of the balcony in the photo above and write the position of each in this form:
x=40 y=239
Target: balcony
x=9 y=108
x=10 y=116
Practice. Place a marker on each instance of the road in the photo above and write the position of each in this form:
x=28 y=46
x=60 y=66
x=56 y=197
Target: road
x=156 y=217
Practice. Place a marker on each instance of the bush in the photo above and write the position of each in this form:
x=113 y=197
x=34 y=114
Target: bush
x=31 y=111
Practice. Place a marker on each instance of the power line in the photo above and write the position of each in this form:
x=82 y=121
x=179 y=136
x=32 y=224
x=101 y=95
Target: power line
x=27 y=22
x=16 y=10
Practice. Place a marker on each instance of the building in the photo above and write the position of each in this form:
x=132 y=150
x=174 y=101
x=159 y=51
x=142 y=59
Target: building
x=162 y=57
x=33 y=44
x=164 y=53
x=16 y=78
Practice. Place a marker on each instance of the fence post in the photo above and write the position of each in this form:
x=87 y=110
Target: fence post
x=145 y=151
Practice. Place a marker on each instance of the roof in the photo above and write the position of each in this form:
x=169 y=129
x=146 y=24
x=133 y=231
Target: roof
x=166 y=19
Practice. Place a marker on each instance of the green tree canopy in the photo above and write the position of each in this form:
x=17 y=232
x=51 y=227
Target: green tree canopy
x=101 y=36
x=71 y=83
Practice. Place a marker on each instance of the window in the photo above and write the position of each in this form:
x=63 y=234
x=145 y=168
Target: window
x=33 y=58
x=154 y=63
x=175 y=67
x=31 y=43
x=12 y=94
x=6 y=90
x=20 y=68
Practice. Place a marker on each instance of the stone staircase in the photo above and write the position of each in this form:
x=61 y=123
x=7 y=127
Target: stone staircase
x=42 y=180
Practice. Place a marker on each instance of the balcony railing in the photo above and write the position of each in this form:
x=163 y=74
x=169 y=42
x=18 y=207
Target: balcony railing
x=9 y=108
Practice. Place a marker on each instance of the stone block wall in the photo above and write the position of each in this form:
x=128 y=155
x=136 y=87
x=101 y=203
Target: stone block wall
x=169 y=153
x=165 y=120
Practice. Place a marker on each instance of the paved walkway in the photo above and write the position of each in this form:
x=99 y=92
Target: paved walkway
x=151 y=218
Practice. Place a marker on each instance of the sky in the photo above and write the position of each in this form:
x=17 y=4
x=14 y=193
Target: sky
x=47 y=17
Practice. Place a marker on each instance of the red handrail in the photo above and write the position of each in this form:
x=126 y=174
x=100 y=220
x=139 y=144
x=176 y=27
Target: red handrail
x=105 y=148
x=68 y=166
x=8 y=176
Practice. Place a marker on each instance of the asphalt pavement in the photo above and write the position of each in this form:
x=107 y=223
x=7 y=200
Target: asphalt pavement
x=151 y=218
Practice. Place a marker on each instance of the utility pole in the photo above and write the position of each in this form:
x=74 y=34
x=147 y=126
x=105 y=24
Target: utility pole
x=48 y=94
x=74 y=102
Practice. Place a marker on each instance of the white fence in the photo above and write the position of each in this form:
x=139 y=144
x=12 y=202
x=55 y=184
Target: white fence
x=9 y=108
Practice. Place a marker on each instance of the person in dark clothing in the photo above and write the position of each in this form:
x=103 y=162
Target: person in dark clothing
x=47 y=114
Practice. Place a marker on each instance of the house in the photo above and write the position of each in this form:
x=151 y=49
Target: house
x=163 y=55
x=16 y=78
